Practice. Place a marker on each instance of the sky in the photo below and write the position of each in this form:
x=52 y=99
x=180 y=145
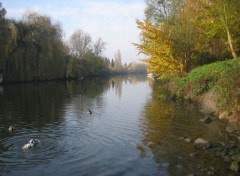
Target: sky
x=114 y=21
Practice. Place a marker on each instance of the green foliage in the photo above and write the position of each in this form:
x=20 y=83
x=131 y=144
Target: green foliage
x=35 y=50
x=223 y=77
x=32 y=49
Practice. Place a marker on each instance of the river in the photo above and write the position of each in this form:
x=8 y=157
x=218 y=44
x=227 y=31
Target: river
x=130 y=131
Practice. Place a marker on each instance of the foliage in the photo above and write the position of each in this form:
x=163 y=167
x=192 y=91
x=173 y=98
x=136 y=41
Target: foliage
x=79 y=43
x=221 y=76
x=228 y=16
x=98 y=47
x=156 y=44
x=197 y=32
x=33 y=49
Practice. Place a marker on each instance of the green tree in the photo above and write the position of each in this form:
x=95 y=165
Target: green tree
x=158 y=11
x=228 y=15
x=38 y=52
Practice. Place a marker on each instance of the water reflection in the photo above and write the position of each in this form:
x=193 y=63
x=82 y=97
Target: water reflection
x=165 y=123
x=131 y=131
x=43 y=102
x=56 y=114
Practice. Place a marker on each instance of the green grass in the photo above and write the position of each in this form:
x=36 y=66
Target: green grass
x=223 y=77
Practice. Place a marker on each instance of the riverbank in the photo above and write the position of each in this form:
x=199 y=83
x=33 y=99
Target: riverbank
x=215 y=90
x=225 y=141
x=215 y=87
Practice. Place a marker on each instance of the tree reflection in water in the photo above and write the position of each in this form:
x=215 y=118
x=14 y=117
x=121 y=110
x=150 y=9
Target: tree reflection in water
x=164 y=123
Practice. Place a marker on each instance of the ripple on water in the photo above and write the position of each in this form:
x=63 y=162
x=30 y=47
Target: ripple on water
x=69 y=145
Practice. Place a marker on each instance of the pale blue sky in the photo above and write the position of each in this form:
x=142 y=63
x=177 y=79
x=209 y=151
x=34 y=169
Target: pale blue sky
x=112 y=20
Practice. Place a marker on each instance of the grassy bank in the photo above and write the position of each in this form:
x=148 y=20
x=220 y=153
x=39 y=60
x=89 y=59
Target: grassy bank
x=221 y=78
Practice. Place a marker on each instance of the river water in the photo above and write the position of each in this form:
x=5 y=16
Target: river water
x=130 y=131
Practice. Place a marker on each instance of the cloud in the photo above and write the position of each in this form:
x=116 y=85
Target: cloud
x=115 y=23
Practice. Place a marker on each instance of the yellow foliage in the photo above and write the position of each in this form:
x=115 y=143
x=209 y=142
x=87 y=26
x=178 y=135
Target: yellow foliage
x=155 y=44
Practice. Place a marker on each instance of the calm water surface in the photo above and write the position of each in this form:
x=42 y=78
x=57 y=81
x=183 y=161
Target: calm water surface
x=128 y=133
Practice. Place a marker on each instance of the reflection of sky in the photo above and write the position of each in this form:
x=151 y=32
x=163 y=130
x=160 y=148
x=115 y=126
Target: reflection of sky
x=112 y=133
x=118 y=107
x=106 y=140
x=127 y=108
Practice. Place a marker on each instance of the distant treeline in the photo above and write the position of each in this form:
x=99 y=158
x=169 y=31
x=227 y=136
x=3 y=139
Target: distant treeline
x=33 y=49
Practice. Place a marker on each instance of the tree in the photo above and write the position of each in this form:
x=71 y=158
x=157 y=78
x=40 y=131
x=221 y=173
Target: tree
x=198 y=31
x=80 y=43
x=157 y=46
x=112 y=64
x=158 y=11
x=229 y=15
x=118 y=61
x=35 y=49
x=177 y=26
x=44 y=40
x=185 y=34
x=98 y=47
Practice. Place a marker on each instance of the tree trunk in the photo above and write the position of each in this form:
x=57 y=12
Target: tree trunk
x=234 y=54
x=225 y=22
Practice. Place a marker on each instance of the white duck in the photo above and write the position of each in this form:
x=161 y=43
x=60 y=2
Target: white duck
x=11 y=128
x=30 y=144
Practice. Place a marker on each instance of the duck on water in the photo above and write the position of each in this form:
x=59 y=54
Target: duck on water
x=32 y=143
x=11 y=128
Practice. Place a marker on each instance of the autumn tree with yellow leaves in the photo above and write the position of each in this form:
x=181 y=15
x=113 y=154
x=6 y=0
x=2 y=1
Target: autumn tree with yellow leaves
x=179 y=35
x=155 y=44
